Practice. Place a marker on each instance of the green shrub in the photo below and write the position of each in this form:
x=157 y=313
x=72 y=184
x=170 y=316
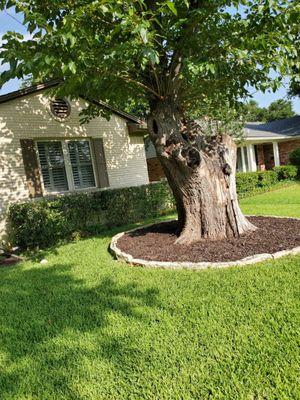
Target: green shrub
x=246 y=182
x=249 y=182
x=37 y=223
x=44 y=222
x=266 y=179
x=294 y=157
x=286 y=172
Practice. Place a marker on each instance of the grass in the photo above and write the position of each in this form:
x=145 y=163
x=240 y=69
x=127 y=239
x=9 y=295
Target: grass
x=84 y=326
x=285 y=201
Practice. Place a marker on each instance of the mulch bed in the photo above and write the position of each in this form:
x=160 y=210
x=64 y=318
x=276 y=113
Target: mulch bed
x=6 y=261
x=156 y=243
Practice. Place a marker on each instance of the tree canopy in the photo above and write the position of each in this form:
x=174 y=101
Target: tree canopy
x=205 y=54
x=278 y=109
x=295 y=88
x=252 y=112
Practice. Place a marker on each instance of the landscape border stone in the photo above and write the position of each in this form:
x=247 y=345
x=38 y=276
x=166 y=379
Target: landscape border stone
x=256 y=258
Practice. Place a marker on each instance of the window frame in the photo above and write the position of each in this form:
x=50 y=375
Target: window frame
x=68 y=165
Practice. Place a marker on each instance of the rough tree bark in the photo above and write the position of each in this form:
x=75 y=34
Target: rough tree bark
x=200 y=170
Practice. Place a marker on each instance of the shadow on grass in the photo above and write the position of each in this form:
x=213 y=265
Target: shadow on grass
x=46 y=314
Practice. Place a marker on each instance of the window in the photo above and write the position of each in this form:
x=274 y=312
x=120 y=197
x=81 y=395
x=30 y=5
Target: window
x=239 y=160
x=53 y=166
x=242 y=159
x=81 y=162
x=66 y=165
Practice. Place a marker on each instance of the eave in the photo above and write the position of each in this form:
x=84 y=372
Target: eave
x=137 y=128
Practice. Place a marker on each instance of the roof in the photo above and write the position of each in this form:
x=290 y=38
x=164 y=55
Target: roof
x=279 y=129
x=47 y=85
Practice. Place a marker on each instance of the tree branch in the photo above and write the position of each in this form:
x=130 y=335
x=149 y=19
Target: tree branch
x=142 y=85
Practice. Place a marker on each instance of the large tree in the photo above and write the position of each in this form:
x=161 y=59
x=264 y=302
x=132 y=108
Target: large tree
x=278 y=109
x=176 y=56
x=252 y=112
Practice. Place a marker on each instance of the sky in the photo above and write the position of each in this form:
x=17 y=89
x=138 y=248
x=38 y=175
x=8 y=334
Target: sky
x=9 y=23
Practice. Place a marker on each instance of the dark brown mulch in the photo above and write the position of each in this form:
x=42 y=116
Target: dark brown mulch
x=157 y=242
x=6 y=261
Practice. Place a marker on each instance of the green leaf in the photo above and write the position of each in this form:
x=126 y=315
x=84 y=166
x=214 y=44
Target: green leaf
x=144 y=35
x=172 y=7
x=104 y=8
x=72 y=40
x=211 y=68
x=151 y=55
x=64 y=68
x=72 y=67
x=48 y=60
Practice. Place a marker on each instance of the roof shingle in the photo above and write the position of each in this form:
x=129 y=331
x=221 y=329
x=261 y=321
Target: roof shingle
x=288 y=127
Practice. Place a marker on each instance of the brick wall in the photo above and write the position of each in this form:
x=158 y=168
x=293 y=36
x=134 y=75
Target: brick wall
x=29 y=117
x=285 y=148
x=155 y=170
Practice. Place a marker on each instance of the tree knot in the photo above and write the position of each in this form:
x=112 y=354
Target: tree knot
x=227 y=169
x=192 y=156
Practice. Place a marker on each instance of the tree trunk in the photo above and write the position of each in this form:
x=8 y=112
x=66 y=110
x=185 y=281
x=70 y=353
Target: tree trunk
x=200 y=170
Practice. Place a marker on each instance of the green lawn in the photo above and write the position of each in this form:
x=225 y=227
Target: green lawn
x=284 y=201
x=86 y=327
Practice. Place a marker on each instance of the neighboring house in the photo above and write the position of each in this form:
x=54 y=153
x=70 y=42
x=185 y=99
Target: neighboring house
x=264 y=147
x=268 y=145
x=44 y=150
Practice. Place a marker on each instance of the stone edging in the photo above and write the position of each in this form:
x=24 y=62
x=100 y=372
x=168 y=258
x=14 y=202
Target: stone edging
x=120 y=255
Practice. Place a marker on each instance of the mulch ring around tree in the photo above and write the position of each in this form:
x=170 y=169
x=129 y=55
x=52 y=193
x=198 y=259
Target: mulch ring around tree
x=7 y=261
x=156 y=242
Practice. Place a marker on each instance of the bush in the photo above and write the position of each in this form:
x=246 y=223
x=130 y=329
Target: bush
x=267 y=179
x=44 y=222
x=286 y=172
x=249 y=182
x=294 y=157
x=37 y=223
x=246 y=182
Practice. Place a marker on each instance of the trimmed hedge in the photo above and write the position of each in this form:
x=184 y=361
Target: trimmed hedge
x=286 y=172
x=250 y=182
x=44 y=222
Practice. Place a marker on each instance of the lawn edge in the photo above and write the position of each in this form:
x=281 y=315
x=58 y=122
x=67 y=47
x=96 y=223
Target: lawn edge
x=256 y=258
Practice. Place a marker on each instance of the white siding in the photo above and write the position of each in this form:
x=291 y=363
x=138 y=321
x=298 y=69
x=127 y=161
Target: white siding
x=29 y=117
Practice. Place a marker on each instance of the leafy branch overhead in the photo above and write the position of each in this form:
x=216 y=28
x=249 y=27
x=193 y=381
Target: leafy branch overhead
x=204 y=53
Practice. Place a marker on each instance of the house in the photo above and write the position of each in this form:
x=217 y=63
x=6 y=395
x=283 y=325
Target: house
x=264 y=146
x=45 y=151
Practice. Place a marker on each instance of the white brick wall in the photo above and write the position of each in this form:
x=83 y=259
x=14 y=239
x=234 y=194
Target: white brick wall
x=29 y=117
